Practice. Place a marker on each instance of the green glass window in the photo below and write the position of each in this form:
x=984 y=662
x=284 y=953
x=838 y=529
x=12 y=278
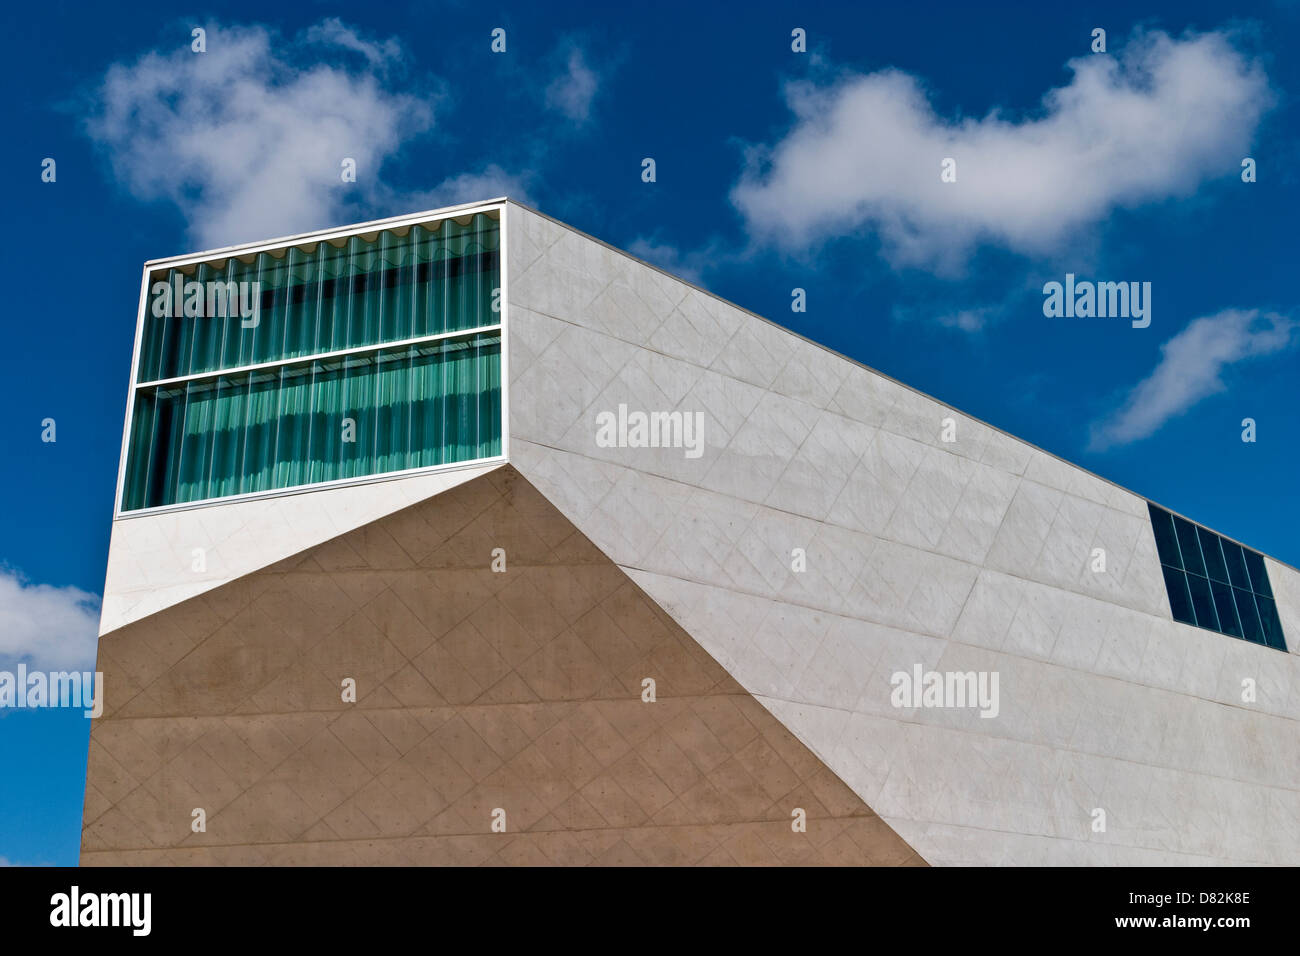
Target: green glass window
x=326 y=398
x=328 y=296
x=1215 y=583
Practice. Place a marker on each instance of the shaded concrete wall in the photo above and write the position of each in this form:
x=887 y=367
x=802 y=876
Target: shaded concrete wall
x=973 y=555
x=476 y=690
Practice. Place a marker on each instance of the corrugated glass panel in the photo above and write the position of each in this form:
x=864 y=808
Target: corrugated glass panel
x=350 y=416
x=328 y=296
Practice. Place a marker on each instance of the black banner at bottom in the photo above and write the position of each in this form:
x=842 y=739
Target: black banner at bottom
x=137 y=906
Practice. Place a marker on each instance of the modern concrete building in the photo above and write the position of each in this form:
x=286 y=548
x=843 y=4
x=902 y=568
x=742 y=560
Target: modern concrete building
x=469 y=538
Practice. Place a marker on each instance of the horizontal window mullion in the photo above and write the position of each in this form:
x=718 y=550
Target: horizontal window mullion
x=318 y=356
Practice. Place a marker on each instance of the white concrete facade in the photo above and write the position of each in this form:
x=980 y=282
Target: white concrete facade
x=974 y=555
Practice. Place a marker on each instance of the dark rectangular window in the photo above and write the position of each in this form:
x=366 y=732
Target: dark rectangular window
x=1237 y=576
x=1189 y=546
x=1215 y=583
x=1203 y=602
x=1258 y=576
x=1180 y=602
x=1166 y=541
x=1269 y=620
x=1227 y=609
x=1215 y=569
x=1249 y=616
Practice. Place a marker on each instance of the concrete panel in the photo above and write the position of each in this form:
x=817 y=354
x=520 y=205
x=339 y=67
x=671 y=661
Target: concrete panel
x=979 y=554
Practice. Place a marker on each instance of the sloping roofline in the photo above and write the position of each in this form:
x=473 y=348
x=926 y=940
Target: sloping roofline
x=500 y=201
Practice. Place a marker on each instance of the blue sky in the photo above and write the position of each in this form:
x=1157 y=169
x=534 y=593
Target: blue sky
x=774 y=170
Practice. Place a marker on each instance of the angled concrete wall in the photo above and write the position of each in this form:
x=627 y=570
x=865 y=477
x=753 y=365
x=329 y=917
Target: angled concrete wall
x=477 y=689
x=153 y=558
x=973 y=555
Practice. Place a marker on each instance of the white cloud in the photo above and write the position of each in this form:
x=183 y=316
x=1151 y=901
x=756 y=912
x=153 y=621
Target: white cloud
x=50 y=627
x=1190 y=369
x=247 y=144
x=1151 y=121
x=334 y=32
x=968 y=320
x=573 y=91
x=491 y=182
